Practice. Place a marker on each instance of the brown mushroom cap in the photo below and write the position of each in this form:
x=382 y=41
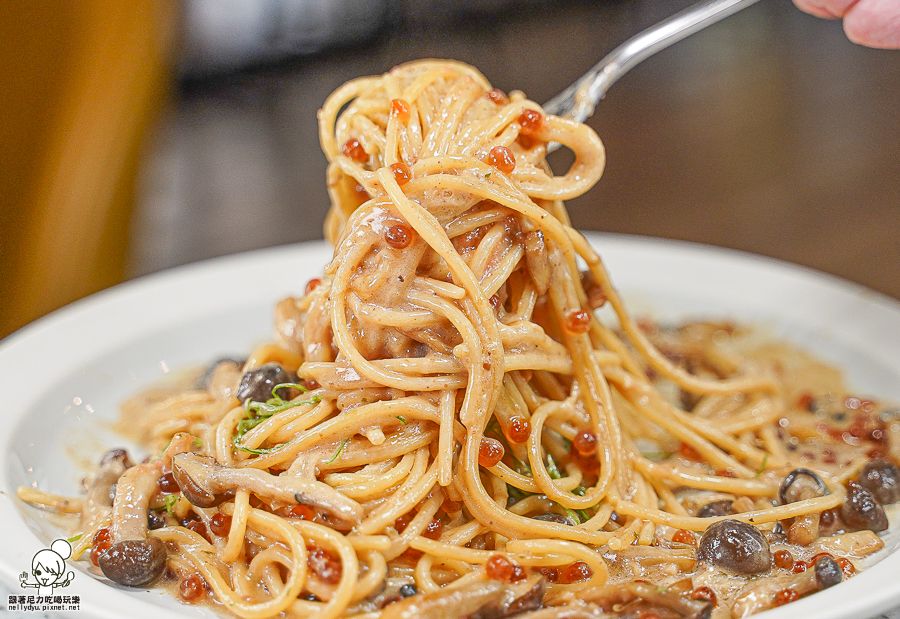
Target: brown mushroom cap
x=135 y=562
x=736 y=547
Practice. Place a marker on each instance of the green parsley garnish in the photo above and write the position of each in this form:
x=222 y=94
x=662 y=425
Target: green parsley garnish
x=258 y=412
x=338 y=452
x=552 y=469
x=762 y=466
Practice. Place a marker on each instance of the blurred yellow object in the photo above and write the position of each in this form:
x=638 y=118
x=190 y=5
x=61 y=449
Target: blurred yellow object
x=81 y=83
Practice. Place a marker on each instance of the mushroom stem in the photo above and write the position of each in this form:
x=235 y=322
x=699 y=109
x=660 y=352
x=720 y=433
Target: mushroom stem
x=133 y=560
x=205 y=483
x=134 y=490
x=98 y=501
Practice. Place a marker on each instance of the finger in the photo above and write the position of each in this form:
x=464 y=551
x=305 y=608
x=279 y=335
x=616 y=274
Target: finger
x=829 y=9
x=874 y=23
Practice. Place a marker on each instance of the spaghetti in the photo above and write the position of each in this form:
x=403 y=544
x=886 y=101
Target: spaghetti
x=444 y=426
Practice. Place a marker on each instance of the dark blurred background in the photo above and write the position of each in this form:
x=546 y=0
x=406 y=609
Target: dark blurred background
x=151 y=134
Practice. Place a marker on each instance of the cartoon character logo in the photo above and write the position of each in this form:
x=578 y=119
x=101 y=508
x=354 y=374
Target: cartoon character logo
x=49 y=569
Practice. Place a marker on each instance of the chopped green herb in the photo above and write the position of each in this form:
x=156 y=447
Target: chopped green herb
x=75 y=538
x=573 y=515
x=487 y=175
x=656 y=456
x=262 y=450
x=402 y=419
x=198 y=442
x=338 y=452
x=552 y=469
x=762 y=465
x=516 y=494
x=522 y=468
x=170 y=503
x=258 y=412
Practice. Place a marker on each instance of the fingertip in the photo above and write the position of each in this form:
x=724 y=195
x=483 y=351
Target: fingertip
x=874 y=23
x=813 y=9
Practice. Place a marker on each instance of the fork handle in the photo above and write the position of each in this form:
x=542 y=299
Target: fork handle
x=578 y=101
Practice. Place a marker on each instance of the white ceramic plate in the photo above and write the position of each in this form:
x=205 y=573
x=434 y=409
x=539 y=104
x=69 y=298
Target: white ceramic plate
x=62 y=378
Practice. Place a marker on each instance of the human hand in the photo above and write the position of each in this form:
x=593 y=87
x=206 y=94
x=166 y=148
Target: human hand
x=873 y=23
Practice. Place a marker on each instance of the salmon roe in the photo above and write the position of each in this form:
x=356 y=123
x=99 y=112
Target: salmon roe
x=490 y=452
x=399 y=236
x=403 y=521
x=353 y=149
x=786 y=596
x=434 y=529
x=499 y=567
x=100 y=544
x=451 y=507
x=312 y=284
x=401 y=173
x=502 y=158
x=220 y=524
x=577 y=321
x=324 y=565
x=577 y=572
x=519 y=429
x=704 y=593
x=585 y=443
x=301 y=512
x=846 y=567
x=400 y=110
x=192 y=589
x=167 y=484
x=530 y=121
x=682 y=536
x=784 y=559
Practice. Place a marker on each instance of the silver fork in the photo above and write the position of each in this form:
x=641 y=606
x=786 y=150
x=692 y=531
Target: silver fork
x=579 y=100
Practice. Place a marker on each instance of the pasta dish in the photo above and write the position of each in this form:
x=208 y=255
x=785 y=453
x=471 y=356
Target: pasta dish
x=459 y=418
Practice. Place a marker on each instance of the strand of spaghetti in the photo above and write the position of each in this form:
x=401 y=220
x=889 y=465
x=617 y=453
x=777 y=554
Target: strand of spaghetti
x=597 y=399
x=328 y=114
x=344 y=426
x=413 y=490
x=540 y=557
x=417 y=525
x=270 y=353
x=542 y=478
x=301 y=417
x=544 y=547
x=779 y=512
x=446 y=443
x=734 y=485
x=343 y=592
x=657 y=411
x=240 y=513
x=369 y=489
x=486 y=362
x=373 y=578
x=529 y=484
x=755 y=414
x=199 y=551
x=635 y=389
x=657 y=361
